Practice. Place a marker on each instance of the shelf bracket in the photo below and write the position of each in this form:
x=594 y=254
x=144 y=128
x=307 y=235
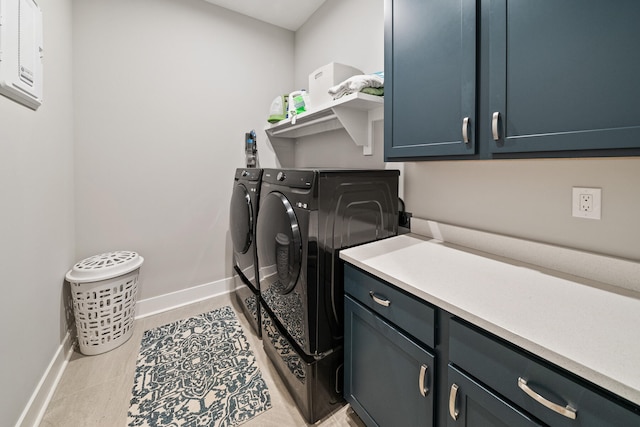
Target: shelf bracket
x=359 y=125
x=375 y=115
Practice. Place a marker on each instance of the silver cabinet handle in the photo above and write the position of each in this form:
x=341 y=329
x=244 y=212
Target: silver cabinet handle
x=566 y=411
x=494 y=126
x=452 y=402
x=385 y=302
x=465 y=130
x=424 y=390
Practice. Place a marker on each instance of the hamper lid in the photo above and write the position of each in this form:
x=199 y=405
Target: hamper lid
x=104 y=266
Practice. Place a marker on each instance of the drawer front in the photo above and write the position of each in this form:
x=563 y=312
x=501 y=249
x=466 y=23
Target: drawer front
x=408 y=313
x=472 y=405
x=389 y=379
x=533 y=384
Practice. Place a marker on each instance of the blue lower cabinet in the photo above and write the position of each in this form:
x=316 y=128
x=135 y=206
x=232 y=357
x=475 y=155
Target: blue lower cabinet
x=473 y=405
x=392 y=340
x=389 y=377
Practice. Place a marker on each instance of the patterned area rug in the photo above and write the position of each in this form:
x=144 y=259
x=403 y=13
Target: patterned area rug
x=197 y=372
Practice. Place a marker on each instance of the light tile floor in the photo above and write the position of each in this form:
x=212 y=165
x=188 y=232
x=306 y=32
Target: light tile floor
x=95 y=390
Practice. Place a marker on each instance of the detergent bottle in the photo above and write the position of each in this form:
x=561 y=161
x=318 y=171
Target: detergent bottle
x=298 y=101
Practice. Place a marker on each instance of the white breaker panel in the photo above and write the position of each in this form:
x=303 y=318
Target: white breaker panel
x=21 y=51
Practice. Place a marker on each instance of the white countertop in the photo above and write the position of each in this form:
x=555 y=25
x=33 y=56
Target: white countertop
x=587 y=328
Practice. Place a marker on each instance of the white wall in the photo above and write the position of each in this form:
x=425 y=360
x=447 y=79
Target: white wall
x=36 y=219
x=164 y=92
x=522 y=198
x=349 y=32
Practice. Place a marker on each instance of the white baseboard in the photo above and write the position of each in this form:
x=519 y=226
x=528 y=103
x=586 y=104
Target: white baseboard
x=37 y=405
x=161 y=303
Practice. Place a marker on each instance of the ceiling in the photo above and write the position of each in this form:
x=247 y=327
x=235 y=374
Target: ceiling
x=289 y=14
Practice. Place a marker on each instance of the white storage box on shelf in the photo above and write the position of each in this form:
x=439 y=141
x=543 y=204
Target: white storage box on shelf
x=326 y=77
x=104 y=289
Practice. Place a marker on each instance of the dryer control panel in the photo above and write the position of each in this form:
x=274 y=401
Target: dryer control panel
x=290 y=177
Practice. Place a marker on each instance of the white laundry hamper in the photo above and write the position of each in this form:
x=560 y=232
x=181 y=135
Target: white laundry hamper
x=104 y=289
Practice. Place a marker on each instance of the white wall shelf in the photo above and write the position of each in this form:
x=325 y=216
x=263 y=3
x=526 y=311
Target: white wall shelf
x=355 y=113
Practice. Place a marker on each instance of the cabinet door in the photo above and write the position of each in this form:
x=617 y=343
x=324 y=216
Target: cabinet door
x=430 y=77
x=563 y=75
x=388 y=377
x=472 y=405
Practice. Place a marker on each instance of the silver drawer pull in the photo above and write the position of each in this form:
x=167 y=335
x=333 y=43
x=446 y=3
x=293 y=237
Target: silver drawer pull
x=385 y=302
x=424 y=390
x=566 y=411
x=465 y=130
x=494 y=126
x=452 y=402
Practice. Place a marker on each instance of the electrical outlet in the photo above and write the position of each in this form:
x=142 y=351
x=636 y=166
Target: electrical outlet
x=587 y=202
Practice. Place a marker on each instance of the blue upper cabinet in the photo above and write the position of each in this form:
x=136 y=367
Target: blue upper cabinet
x=430 y=75
x=563 y=75
x=514 y=78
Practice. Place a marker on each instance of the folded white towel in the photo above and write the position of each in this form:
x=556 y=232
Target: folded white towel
x=356 y=84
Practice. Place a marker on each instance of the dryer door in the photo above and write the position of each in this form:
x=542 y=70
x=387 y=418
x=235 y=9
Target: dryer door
x=279 y=244
x=241 y=219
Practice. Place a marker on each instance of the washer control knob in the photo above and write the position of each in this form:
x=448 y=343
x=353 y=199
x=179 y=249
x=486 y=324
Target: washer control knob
x=281 y=176
x=245 y=173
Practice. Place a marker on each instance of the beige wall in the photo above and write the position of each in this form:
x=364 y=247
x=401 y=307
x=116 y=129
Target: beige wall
x=165 y=91
x=531 y=199
x=36 y=219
